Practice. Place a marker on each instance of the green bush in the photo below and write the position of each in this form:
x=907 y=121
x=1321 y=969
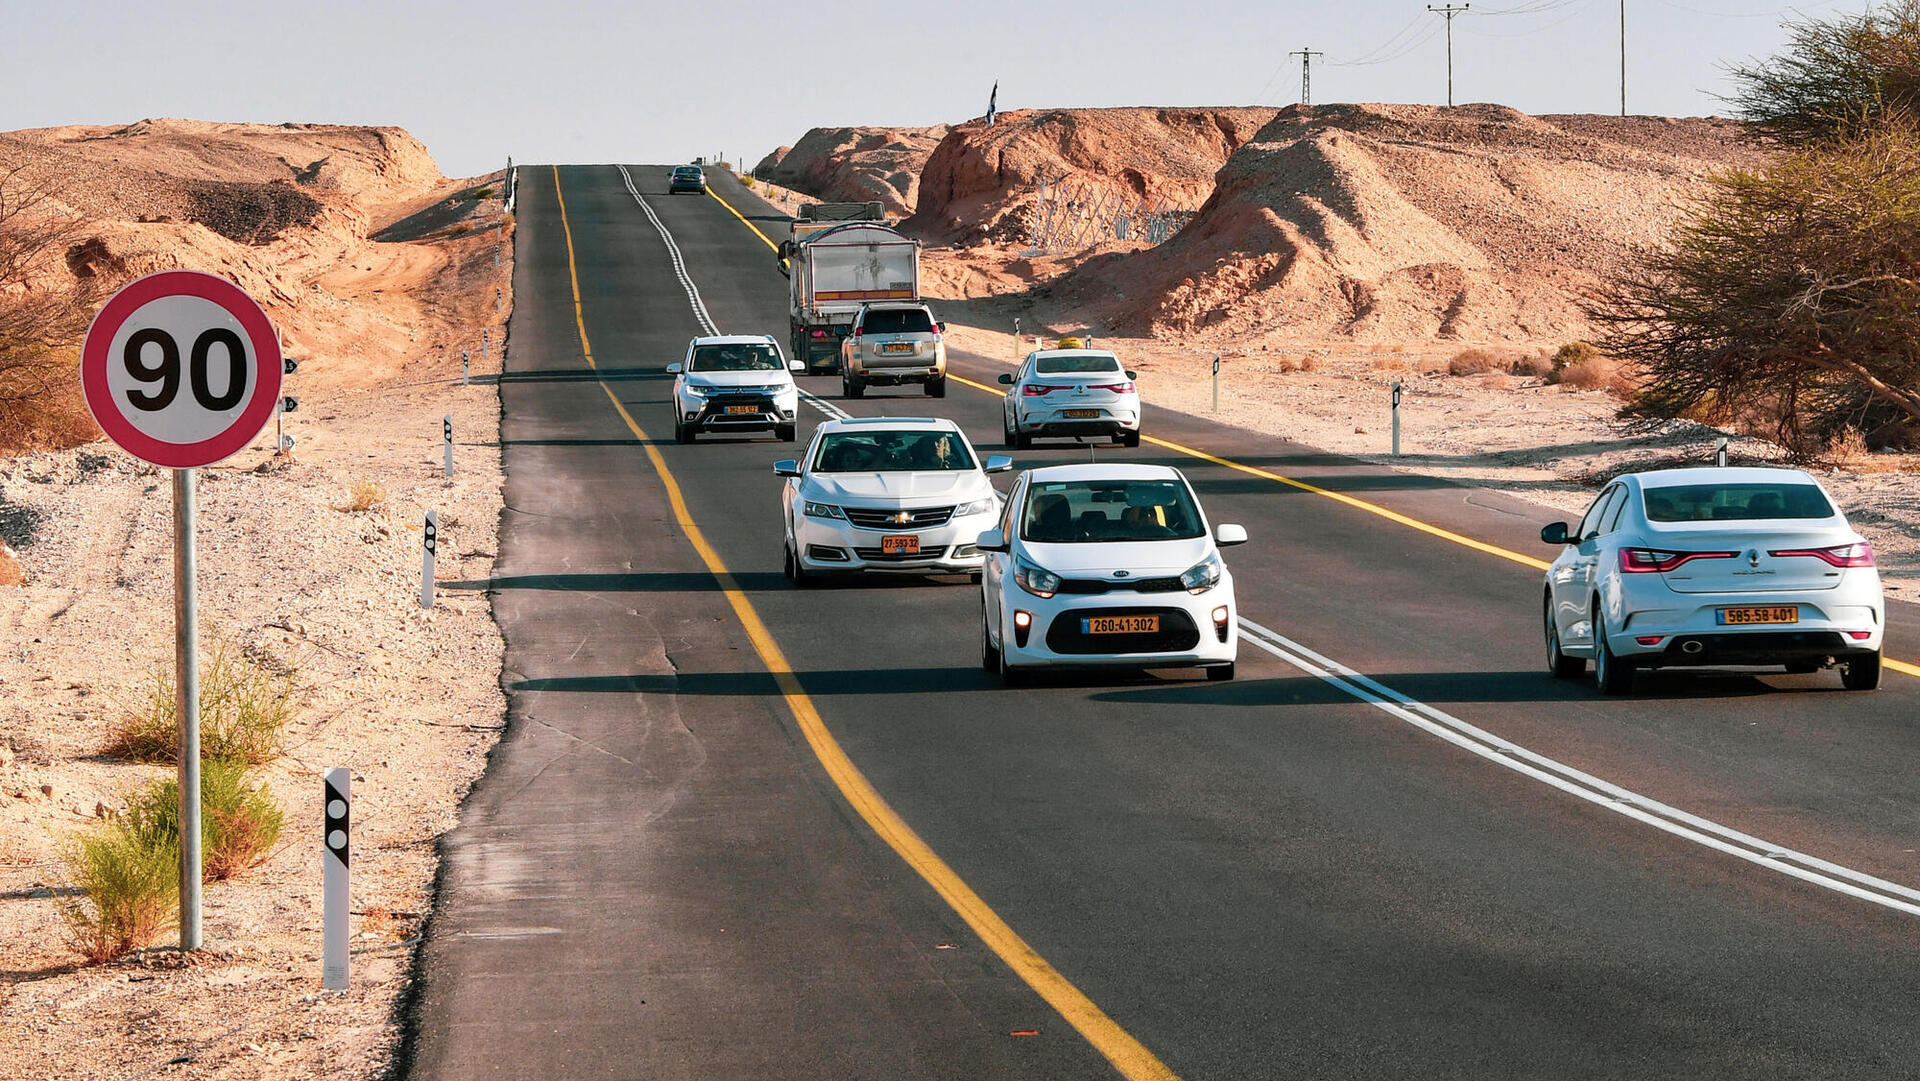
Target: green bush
x=130 y=886
x=480 y=193
x=243 y=708
x=239 y=823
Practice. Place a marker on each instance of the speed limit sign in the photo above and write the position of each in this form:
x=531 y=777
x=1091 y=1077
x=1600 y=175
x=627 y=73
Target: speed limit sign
x=181 y=369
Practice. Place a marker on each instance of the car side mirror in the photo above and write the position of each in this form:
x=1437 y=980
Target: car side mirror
x=787 y=467
x=1229 y=534
x=998 y=463
x=1133 y=375
x=796 y=366
x=1006 y=379
x=993 y=540
x=941 y=327
x=1556 y=534
x=674 y=368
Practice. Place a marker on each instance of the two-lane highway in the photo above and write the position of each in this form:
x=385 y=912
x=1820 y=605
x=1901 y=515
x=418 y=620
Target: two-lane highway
x=663 y=874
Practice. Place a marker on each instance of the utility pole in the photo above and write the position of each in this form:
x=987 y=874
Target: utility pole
x=1306 y=56
x=1450 y=11
x=1623 y=57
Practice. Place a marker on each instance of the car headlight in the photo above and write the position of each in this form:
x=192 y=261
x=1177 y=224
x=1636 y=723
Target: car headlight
x=1038 y=581
x=824 y=510
x=978 y=506
x=695 y=390
x=1203 y=575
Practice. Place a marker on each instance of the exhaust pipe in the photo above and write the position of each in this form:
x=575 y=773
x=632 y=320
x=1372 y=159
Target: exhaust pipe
x=1693 y=647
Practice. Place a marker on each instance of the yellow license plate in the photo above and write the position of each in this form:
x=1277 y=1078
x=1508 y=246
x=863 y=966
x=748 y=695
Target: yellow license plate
x=1120 y=625
x=900 y=546
x=1082 y=414
x=743 y=409
x=1736 y=617
x=897 y=348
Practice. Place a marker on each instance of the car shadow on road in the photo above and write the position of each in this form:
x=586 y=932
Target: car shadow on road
x=648 y=582
x=574 y=375
x=819 y=682
x=1455 y=688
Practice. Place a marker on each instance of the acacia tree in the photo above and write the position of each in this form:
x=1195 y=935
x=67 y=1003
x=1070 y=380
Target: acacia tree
x=44 y=306
x=1837 y=77
x=1793 y=291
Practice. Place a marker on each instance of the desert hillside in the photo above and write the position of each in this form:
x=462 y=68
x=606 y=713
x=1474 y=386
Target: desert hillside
x=855 y=165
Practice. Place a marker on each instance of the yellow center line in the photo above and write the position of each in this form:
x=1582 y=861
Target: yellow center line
x=1127 y=1054
x=1340 y=497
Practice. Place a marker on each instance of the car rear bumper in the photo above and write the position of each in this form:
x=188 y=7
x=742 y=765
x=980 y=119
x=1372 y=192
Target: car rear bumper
x=1685 y=629
x=1109 y=422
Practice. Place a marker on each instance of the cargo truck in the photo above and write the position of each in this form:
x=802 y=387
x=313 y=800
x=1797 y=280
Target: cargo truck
x=836 y=262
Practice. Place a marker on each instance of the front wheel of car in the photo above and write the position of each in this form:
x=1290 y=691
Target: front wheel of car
x=796 y=573
x=852 y=388
x=1220 y=673
x=785 y=432
x=1610 y=673
x=989 y=656
x=1009 y=675
x=937 y=388
x=1861 y=672
x=682 y=433
x=1558 y=663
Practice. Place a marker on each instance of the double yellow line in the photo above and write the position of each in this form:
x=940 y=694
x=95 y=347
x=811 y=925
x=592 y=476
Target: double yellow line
x=1127 y=1054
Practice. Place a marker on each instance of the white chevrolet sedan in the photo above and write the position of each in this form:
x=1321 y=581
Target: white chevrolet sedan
x=1725 y=567
x=1106 y=566
x=889 y=494
x=1070 y=392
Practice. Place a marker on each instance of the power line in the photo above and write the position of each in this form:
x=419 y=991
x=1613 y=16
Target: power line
x=1411 y=46
x=1306 y=56
x=1449 y=12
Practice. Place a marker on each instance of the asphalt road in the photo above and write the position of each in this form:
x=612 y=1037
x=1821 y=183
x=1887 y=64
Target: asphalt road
x=658 y=878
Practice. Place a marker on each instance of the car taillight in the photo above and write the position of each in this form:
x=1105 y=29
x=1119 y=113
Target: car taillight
x=1645 y=560
x=819 y=333
x=1117 y=388
x=856 y=334
x=1842 y=555
x=1034 y=390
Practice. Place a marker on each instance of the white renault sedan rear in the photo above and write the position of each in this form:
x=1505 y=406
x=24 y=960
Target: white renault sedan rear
x=1106 y=566
x=1070 y=392
x=1712 y=567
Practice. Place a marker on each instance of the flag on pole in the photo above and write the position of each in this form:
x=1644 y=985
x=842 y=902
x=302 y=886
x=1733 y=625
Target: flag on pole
x=991 y=100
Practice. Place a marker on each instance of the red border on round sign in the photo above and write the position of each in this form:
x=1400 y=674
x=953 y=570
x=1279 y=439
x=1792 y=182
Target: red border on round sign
x=136 y=294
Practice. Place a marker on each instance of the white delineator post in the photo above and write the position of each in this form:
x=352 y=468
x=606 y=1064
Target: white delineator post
x=336 y=896
x=1216 y=382
x=186 y=702
x=465 y=367
x=483 y=347
x=446 y=440
x=1396 y=419
x=430 y=543
x=1720 y=456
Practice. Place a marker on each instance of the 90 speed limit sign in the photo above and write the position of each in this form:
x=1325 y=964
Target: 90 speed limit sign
x=181 y=369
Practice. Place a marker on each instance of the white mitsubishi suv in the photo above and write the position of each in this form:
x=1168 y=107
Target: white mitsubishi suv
x=904 y=495
x=734 y=383
x=1712 y=567
x=1106 y=565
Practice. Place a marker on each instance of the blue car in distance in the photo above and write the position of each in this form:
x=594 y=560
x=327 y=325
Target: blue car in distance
x=686 y=178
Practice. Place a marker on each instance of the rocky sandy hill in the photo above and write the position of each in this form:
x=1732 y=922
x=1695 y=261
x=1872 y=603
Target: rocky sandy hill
x=855 y=165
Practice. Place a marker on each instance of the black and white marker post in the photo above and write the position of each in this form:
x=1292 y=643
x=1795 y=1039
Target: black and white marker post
x=446 y=441
x=431 y=542
x=336 y=896
x=1216 y=382
x=483 y=348
x=465 y=367
x=1396 y=419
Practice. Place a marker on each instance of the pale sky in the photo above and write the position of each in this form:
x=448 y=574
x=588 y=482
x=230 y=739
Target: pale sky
x=655 y=82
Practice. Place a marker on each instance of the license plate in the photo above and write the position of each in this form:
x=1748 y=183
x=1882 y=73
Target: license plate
x=900 y=546
x=732 y=409
x=897 y=347
x=1735 y=617
x=1120 y=625
x=1082 y=414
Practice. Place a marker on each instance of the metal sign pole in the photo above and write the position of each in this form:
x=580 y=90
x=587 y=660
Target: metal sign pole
x=186 y=704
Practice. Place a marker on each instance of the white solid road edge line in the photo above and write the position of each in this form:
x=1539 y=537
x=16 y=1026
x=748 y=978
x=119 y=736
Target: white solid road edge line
x=700 y=313
x=1601 y=793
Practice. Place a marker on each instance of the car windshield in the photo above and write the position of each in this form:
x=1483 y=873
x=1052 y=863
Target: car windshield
x=1065 y=365
x=1084 y=511
x=1736 y=502
x=736 y=357
x=897 y=321
x=891 y=451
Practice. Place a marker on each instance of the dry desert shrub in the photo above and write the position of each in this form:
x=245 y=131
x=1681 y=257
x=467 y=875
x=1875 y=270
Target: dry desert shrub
x=365 y=495
x=129 y=885
x=1596 y=373
x=243 y=709
x=1392 y=363
x=1535 y=367
x=10 y=572
x=239 y=822
x=1473 y=362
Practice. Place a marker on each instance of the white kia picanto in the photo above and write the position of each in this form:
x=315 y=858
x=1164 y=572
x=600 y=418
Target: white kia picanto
x=1712 y=566
x=1106 y=566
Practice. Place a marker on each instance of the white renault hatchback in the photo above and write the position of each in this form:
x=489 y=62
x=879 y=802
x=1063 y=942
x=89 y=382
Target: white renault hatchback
x=734 y=383
x=896 y=494
x=1070 y=392
x=1106 y=565
x=1712 y=566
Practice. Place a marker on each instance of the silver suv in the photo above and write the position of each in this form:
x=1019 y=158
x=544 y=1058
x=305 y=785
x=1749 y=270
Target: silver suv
x=892 y=344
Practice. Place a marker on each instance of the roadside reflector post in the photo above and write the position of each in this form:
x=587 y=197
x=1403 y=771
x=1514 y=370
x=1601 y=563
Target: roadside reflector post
x=186 y=702
x=496 y=299
x=1721 y=457
x=1216 y=382
x=1396 y=418
x=483 y=346
x=430 y=541
x=336 y=897
x=465 y=367
x=446 y=440
x=1016 y=337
